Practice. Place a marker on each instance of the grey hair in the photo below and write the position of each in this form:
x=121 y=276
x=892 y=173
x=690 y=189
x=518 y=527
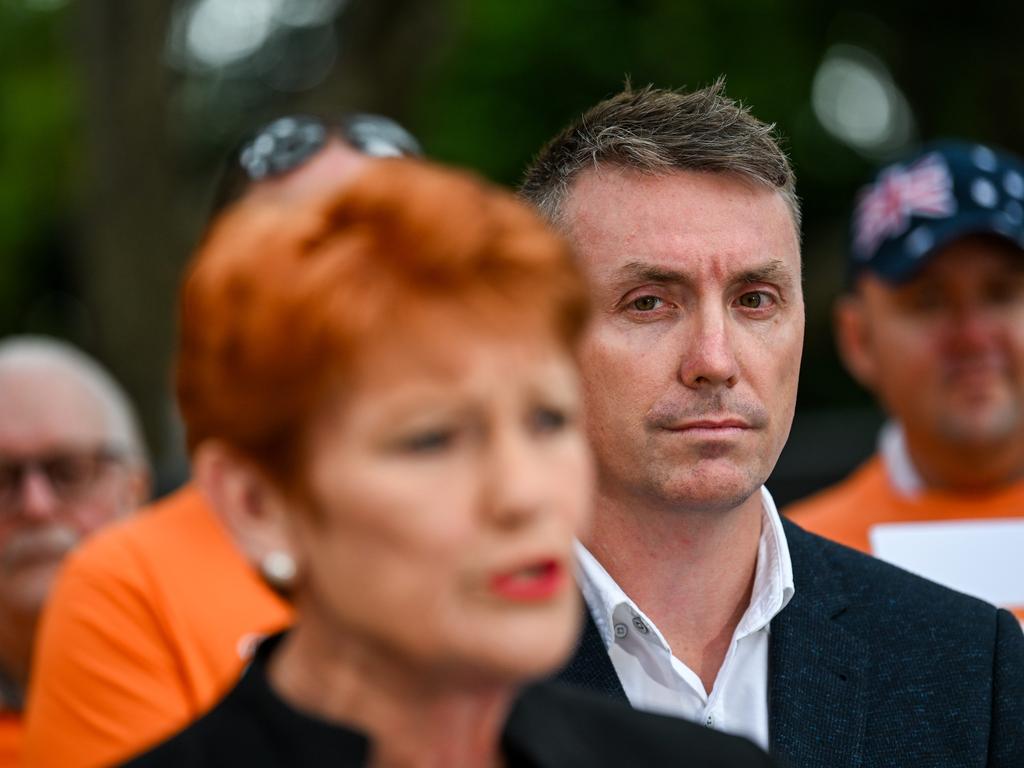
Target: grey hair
x=20 y=352
x=654 y=130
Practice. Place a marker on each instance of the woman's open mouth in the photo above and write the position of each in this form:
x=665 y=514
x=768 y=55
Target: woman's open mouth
x=540 y=580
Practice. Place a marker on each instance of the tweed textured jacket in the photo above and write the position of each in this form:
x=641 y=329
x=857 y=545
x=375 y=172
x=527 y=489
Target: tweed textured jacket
x=872 y=667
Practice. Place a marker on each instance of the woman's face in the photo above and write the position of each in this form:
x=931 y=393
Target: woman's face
x=446 y=488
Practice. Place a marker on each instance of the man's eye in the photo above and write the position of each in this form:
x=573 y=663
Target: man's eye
x=646 y=303
x=68 y=470
x=1004 y=292
x=924 y=300
x=754 y=300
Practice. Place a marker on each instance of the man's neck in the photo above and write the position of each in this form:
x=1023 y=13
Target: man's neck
x=16 y=633
x=413 y=720
x=690 y=571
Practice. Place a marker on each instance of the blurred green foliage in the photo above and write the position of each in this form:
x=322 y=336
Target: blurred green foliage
x=38 y=151
x=515 y=72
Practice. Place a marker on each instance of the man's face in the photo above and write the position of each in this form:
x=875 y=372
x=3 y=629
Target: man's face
x=945 y=351
x=55 y=484
x=690 y=366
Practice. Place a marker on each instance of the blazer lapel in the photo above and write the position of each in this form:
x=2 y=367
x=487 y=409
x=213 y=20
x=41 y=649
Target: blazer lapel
x=590 y=667
x=816 y=668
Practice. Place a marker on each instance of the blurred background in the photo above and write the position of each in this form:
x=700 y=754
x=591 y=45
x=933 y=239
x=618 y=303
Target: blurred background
x=115 y=116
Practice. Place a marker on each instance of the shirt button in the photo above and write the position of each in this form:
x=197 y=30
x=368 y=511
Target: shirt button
x=710 y=722
x=640 y=626
x=621 y=630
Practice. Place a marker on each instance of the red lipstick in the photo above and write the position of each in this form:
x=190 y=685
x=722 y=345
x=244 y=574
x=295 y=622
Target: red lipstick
x=538 y=581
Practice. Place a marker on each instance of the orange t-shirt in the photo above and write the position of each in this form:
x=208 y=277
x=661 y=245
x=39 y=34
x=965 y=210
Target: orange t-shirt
x=10 y=739
x=149 y=623
x=846 y=512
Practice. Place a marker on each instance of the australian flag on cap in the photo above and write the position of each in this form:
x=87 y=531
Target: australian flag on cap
x=943 y=191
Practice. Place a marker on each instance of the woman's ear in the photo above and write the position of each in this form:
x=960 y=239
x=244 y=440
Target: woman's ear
x=252 y=510
x=853 y=339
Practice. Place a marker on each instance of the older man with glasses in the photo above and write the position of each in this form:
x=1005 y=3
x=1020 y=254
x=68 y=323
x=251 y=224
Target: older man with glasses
x=151 y=624
x=71 y=460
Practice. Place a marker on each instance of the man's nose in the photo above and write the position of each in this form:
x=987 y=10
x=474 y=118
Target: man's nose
x=973 y=326
x=708 y=353
x=35 y=497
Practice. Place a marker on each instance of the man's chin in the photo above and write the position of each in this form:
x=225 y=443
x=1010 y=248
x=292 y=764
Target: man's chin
x=25 y=588
x=981 y=427
x=716 y=493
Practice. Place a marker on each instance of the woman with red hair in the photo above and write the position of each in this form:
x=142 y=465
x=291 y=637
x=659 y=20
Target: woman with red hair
x=378 y=386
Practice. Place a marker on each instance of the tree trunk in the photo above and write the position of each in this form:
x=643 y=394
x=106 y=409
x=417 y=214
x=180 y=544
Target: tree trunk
x=140 y=210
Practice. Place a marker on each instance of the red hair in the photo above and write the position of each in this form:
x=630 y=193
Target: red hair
x=283 y=295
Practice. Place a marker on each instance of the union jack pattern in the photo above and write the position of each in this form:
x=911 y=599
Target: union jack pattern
x=924 y=188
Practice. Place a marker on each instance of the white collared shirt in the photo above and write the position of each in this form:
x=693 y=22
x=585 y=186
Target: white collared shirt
x=656 y=681
x=892 y=446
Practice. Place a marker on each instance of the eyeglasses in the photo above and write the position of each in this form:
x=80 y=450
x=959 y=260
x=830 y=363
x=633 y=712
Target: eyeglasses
x=288 y=142
x=70 y=474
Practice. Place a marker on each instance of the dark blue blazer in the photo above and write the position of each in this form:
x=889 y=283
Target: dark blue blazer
x=872 y=667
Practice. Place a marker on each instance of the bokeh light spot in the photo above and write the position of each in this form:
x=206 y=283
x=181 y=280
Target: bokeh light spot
x=221 y=32
x=856 y=100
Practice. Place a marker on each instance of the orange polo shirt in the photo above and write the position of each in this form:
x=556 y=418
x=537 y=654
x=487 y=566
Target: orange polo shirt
x=846 y=512
x=10 y=739
x=149 y=623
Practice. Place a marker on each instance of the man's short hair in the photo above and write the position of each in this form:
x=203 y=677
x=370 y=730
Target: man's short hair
x=655 y=130
x=62 y=359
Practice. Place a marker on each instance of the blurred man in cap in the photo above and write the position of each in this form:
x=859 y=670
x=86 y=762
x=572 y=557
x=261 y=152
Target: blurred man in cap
x=933 y=324
x=71 y=460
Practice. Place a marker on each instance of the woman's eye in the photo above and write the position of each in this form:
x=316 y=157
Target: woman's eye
x=548 y=419
x=646 y=303
x=432 y=441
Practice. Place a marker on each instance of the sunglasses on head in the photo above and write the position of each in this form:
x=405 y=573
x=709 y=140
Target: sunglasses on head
x=289 y=142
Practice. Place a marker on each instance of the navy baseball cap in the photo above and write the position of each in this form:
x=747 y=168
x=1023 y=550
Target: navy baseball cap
x=944 y=191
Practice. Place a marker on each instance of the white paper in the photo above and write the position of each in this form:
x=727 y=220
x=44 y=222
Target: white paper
x=983 y=558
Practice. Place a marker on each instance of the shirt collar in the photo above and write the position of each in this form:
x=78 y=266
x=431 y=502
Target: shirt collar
x=773 y=575
x=600 y=591
x=892 y=446
x=773 y=582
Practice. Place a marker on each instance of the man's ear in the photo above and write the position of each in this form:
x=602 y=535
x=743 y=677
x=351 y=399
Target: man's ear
x=853 y=339
x=133 y=489
x=139 y=486
x=251 y=509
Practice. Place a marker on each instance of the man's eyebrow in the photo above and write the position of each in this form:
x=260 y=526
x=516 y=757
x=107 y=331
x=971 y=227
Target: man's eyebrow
x=650 y=273
x=773 y=271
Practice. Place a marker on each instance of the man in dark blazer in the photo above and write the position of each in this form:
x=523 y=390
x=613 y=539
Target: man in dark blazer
x=703 y=602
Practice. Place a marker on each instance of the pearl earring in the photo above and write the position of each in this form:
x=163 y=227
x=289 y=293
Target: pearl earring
x=279 y=570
